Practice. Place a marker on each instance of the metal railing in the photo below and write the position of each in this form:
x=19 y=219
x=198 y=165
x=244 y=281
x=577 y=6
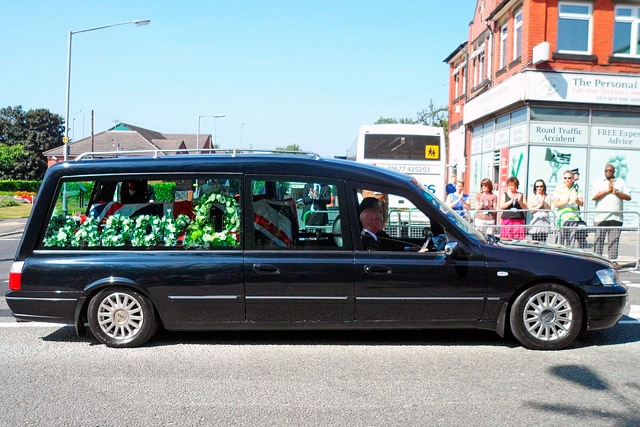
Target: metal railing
x=155 y=153
x=582 y=236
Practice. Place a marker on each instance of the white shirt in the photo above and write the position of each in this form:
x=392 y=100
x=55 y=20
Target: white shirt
x=610 y=202
x=371 y=234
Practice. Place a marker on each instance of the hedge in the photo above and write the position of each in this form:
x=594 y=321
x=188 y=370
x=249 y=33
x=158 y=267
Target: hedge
x=20 y=185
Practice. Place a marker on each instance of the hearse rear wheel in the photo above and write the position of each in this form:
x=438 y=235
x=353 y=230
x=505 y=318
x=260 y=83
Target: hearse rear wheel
x=547 y=316
x=121 y=318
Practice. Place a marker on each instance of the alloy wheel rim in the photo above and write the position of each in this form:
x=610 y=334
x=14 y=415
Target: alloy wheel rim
x=120 y=316
x=548 y=316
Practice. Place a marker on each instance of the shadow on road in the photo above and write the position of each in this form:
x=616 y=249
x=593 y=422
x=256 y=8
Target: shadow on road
x=627 y=416
x=620 y=334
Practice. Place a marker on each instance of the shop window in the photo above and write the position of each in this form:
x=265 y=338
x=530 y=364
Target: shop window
x=575 y=28
x=502 y=122
x=615 y=118
x=519 y=116
x=542 y=114
x=626 y=31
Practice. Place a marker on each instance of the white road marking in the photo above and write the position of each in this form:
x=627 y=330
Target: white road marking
x=634 y=314
x=30 y=325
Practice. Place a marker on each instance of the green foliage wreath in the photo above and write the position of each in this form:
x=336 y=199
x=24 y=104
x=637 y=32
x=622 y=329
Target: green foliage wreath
x=201 y=231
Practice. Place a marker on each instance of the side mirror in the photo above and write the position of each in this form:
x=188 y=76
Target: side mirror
x=450 y=248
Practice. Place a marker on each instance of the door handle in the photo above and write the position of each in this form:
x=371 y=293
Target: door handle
x=377 y=269
x=266 y=269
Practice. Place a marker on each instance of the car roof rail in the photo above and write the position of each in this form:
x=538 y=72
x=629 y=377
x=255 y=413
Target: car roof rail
x=233 y=152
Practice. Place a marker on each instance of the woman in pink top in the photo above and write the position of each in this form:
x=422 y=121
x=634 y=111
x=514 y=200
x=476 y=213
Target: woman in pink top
x=513 y=204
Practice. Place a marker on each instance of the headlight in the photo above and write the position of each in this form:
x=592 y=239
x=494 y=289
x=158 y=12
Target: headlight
x=608 y=277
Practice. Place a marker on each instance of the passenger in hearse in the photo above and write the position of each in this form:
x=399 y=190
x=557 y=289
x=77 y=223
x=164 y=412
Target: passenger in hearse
x=134 y=192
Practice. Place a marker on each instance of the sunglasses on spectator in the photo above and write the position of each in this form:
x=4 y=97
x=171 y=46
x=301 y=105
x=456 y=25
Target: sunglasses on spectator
x=567 y=177
x=539 y=186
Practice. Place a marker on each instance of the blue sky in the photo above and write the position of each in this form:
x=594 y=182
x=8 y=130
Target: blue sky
x=294 y=72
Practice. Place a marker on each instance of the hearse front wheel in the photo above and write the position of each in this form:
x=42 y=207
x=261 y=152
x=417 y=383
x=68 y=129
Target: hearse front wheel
x=121 y=318
x=547 y=316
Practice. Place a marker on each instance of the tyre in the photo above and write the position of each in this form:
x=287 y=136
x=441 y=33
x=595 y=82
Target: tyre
x=121 y=318
x=546 y=317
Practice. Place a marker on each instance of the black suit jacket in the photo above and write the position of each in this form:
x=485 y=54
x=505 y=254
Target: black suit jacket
x=384 y=242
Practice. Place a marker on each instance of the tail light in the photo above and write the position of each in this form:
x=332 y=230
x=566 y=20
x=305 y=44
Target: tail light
x=15 y=275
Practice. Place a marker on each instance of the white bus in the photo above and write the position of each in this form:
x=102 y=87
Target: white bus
x=415 y=150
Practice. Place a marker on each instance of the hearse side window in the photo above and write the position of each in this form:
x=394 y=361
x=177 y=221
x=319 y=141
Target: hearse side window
x=295 y=214
x=190 y=212
x=404 y=226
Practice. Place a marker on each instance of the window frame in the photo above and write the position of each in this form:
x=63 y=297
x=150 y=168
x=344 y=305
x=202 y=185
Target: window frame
x=504 y=45
x=517 y=34
x=337 y=191
x=634 y=34
x=576 y=17
x=111 y=214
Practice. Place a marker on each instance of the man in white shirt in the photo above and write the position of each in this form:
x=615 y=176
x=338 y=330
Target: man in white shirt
x=609 y=194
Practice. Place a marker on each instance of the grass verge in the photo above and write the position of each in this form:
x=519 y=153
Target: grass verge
x=13 y=212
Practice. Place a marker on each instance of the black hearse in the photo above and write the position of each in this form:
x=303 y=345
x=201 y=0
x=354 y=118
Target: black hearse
x=225 y=241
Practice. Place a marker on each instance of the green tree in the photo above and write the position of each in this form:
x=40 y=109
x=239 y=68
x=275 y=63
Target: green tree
x=10 y=155
x=433 y=116
x=290 y=147
x=389 y=120
x=36 y=131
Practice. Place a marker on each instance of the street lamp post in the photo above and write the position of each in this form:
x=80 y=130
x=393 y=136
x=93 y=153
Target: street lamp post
x=65 y=148
x=215 y=138
x=215 y=116
x=241 y=126
x=71 y=33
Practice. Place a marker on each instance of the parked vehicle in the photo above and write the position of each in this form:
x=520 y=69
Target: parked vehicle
x=218 y=242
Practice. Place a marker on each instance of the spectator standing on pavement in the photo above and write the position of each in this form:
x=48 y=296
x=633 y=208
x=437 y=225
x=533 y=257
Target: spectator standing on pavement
x=451 y=186
x=316 y=197
x=568 y=200
x=513 y=204
x=609 y=194
x=486 y=205
x=458 y=200
x=540 y=204
x=576 y=177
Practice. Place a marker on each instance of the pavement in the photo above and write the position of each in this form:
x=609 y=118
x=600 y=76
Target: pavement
x=9 y=227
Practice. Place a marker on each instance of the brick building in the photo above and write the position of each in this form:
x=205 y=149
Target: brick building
x=541 y=86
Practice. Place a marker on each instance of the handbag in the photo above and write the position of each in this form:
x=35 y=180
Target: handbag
x=540 y=223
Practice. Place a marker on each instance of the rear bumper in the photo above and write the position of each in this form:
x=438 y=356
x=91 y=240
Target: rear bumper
x=38 y=307
x=604 y=311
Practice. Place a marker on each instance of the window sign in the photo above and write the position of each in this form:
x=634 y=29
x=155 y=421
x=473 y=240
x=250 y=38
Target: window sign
x=518 y=134
x=502 y=138
x=556 y=133
x=476 y=145
x=487 y=142
x=615 y=137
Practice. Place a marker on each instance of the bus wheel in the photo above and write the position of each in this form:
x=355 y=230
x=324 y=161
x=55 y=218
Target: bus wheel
x=546 y=317
x=121 y=318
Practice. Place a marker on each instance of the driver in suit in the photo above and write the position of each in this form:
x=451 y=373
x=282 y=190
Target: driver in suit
x=373 y=236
